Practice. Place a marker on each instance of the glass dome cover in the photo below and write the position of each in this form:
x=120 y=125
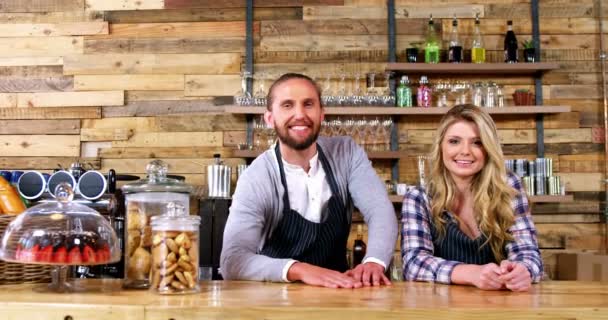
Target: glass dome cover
x=60 y=233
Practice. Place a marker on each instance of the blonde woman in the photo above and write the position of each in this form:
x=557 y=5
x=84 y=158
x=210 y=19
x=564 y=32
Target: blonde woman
x=472 y=226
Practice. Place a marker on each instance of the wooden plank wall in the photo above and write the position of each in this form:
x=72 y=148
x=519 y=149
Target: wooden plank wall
x=119 y=82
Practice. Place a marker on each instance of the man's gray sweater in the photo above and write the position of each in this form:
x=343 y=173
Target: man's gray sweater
x=257 y=208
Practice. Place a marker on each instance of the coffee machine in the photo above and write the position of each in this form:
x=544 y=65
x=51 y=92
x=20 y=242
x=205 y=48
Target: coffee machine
x=92 y=189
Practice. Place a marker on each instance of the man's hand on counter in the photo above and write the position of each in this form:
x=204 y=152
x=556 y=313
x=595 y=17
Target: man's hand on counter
x=321 y=277
x=369 y=273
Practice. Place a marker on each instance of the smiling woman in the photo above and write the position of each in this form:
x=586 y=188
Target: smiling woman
x=472 y=226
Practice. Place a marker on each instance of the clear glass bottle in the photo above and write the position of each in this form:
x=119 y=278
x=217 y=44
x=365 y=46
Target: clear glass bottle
x=478 y=52
x=175 y=251
x=424 y=96
x=404 y=93
x=455 y=48
x=431 y=44
x=510 y=45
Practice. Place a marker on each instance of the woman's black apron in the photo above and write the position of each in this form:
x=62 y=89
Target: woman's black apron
x=322 y=244
x=455 y=245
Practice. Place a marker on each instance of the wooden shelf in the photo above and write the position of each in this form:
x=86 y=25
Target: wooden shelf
x=409 y=111
x=533 y=199
x=473 y=68
x=371 y=154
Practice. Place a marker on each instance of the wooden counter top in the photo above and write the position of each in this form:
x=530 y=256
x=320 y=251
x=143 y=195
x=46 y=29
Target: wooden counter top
x=254 y=300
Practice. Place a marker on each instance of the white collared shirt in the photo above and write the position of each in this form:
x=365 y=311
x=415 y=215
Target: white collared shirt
x=308 y=192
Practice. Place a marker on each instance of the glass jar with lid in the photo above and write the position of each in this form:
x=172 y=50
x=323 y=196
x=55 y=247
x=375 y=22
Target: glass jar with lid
x=144 y=199
x=175 y=251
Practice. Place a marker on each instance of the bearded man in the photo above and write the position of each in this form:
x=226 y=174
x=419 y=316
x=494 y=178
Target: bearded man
x=292 y=208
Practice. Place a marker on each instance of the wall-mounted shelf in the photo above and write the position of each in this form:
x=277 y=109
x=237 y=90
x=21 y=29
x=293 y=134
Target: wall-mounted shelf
x=533 y=199
x=362 y=111
x=473 y=68
x=391 y=155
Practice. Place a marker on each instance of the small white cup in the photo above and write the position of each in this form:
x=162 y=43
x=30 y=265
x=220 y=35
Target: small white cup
x=401 y=189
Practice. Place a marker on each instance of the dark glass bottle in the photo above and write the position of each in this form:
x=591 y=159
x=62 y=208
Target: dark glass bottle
x=359 y=247
x=510 y=44
x=455 y=48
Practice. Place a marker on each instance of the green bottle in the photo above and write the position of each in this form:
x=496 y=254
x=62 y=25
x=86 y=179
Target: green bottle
x=431 y=45
x=404 y=93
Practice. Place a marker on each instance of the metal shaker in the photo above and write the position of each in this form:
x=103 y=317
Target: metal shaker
x=218 y=178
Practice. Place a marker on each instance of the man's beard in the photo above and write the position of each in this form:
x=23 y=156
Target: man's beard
x=284 y=137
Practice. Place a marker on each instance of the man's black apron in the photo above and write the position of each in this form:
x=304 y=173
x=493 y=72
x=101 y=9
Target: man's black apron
x=322 y=244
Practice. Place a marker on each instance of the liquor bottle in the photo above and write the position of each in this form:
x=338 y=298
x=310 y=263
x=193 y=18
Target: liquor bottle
x=424 y=95
x=478 y=52
x=359 y=247
x=455 y=48
x=510 y=44
x=431 y=44
x=404 y=93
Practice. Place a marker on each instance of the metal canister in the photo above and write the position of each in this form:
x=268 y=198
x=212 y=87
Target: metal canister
x=218 y=179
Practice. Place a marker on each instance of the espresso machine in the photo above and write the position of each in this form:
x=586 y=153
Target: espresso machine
x=92 y=189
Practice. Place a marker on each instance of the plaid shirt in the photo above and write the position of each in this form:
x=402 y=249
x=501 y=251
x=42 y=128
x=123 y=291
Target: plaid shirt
x=420 y=264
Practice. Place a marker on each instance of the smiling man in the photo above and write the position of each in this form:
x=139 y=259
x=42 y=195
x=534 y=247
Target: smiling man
x=292 y=209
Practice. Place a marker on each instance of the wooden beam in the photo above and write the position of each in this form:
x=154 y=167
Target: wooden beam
x=178 y=30
x=148 y=82
x=207 y=63
x=202 y=14
x=109 y=5
x=108 y=134
x=31 y=61
x=177 y=4
x=31 y=84
x=212 y=85
x=580 y=9
x=31 y=71
x=157 y=108
x=581 y=163
x=583 y=181
x=8 y=100
x=376 y=12
x=16 y=127
x=172 y=139
x=41 y=5
x=340 y=27
x=51 y=113
x=66 y=16
x=44 y=163
x=53 y=30
x=40 y=145
x=169 y=45
x=165 y=152
x=70 y=99
x=40 y=47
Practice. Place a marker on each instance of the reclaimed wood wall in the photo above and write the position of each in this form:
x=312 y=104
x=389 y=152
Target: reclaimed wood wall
x=119 y=82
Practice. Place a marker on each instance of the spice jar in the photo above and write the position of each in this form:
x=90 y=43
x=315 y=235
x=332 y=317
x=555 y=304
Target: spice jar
x=175 y=251
x=144 y=199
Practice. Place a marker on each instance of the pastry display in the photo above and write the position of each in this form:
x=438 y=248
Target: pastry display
x=64 y=248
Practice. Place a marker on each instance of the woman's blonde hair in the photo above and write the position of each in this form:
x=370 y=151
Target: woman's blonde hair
x=491 y=194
